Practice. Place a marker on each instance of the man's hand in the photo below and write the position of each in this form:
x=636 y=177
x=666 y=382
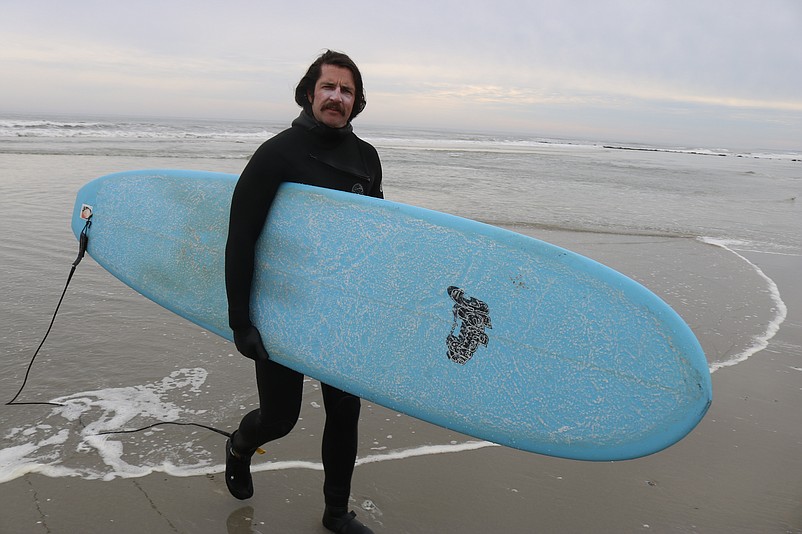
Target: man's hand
x=249 y=343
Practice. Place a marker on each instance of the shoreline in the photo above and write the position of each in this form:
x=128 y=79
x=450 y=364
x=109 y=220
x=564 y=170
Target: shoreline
x=736 y=472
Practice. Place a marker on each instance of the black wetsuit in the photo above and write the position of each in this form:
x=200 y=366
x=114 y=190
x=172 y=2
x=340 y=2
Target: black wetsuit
x=314 y=154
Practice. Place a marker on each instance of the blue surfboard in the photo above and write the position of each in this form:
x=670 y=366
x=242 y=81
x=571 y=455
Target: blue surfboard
x=468 y=326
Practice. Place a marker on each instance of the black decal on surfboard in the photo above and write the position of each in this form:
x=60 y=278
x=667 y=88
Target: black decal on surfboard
x=473 y=317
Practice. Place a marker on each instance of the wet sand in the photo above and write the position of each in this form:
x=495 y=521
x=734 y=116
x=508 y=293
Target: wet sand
x=739 y=471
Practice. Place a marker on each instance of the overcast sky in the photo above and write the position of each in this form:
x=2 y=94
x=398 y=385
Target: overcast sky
x=698 y=72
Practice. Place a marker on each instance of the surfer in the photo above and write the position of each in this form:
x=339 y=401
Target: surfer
x=319 y=149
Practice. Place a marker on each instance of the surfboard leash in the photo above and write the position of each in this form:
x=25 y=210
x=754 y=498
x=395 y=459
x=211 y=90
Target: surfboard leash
x=83 y=242
x=178 y=423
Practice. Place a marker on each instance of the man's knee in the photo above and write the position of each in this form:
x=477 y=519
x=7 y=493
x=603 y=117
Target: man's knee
x=346 y=408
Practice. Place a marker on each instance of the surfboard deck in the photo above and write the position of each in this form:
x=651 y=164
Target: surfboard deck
x=468 y=326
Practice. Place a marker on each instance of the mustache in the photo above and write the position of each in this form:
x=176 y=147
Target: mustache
x=334 y=106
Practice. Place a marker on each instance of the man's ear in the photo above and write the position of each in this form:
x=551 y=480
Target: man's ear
x=310 y=96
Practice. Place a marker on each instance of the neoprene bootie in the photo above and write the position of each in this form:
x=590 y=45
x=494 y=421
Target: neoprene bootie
x=238 y=473
x=341 y=521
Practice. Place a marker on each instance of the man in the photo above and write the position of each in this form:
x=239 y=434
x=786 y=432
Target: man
x=319 y=149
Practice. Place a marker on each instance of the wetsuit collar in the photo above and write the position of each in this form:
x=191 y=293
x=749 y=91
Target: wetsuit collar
x=308 y=122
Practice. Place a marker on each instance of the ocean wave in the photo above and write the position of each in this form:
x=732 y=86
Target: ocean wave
x=790 y=156
x=475 y=144
x=179 y=130
x=48 y=447
x=115 y=152
x=383 y=137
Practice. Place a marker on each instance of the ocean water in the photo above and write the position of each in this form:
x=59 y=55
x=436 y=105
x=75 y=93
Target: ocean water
x=685 y=221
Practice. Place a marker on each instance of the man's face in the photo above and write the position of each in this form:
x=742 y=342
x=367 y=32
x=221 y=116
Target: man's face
x=334 y=95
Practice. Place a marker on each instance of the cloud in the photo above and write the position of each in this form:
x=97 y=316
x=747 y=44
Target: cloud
x=476 y=64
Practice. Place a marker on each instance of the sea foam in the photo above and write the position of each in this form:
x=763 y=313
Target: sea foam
x=761 y=341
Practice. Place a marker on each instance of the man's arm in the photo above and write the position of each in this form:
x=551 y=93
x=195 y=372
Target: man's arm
x=250 y=203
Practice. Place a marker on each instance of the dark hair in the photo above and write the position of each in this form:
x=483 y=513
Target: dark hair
x=307 y=84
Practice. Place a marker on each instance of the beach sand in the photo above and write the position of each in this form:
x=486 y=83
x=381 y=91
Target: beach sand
x=740 y=470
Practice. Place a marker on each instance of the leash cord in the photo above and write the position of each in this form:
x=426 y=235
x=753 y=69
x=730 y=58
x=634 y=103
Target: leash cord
x=207 y=427
x=83 y=242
